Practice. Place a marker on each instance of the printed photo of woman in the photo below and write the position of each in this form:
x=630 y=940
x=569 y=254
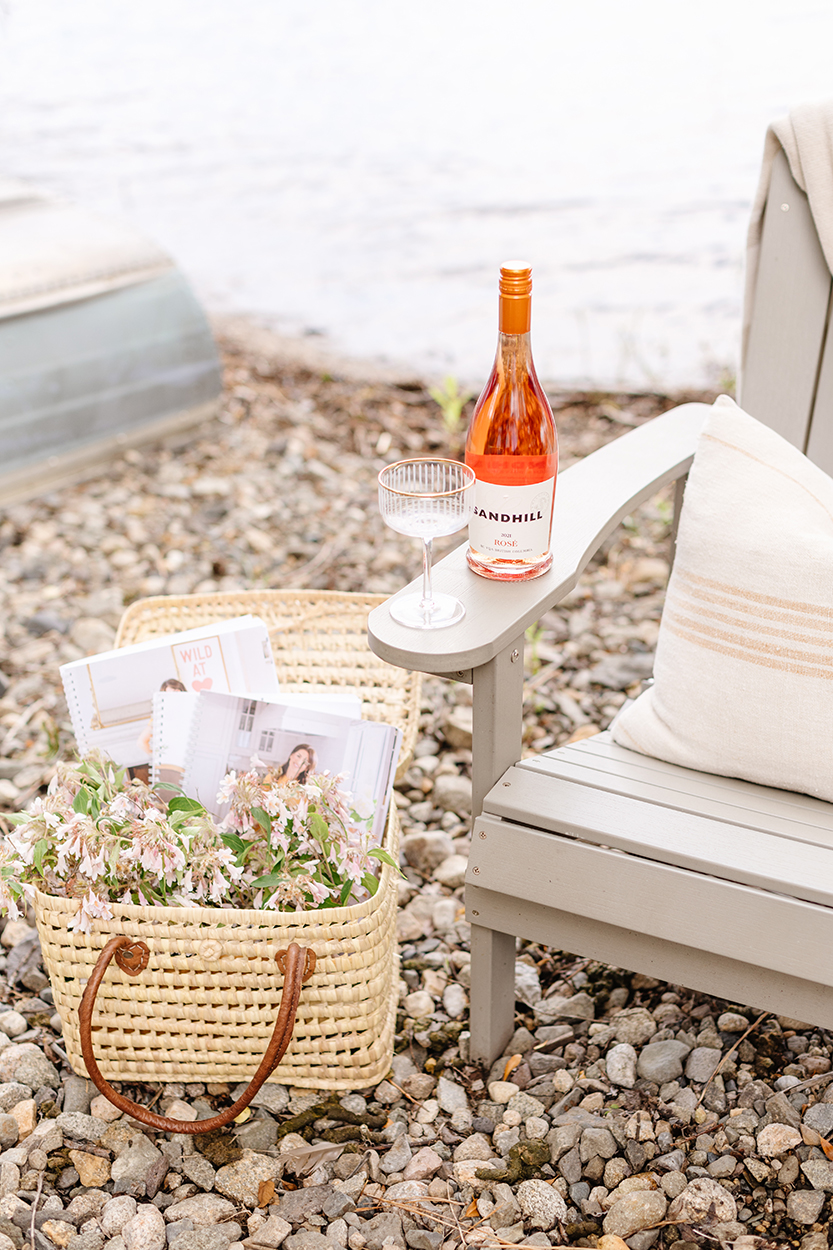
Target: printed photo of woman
x=298 y=766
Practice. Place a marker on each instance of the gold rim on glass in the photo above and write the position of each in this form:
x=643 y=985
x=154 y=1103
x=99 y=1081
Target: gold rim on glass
x=428 y=494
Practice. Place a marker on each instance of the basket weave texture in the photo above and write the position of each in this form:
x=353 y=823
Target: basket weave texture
x=205 y=1006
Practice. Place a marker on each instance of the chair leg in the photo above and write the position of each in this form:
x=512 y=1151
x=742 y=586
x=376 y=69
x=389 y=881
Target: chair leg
x=492 y=992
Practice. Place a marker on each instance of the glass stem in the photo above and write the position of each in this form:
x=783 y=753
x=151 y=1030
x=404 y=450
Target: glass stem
x=426 y=574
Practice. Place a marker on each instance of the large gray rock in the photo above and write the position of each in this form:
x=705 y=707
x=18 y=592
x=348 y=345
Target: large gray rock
x=452 y=792
x=542 y=1205
x=9 y=1131
x=202 y=1210
x=297 y=1206
x=80 y=1127
x=701 y=1064
x=274 y=1232
x=197 y=1169
x=79 y=1092
x=271 y=1096
x=426 y=851
x=819 y=1173
x=634 y=1025
x=28 y=1064
x=136 y=1162
x=578 y=1007
x=386 y=1227
x=145 y=1230
x=597 y=1141
x=662 y=1061
x=13 y=1092
x=804 y=1205
x=398 y=1157
x=620 y=1065
x=116 y=1213
x=451 y=1096
x=527 y=984
x=307 y=1239
x=638 y=1210
x=241 y=1181
x=697 y=1200
x=820 y=1117
x=212 y=1238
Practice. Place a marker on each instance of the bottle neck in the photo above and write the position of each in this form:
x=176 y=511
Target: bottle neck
x=514 y=314
x=514 y=354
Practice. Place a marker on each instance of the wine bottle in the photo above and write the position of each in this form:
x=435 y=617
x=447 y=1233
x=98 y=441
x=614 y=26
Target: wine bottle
x=512 y=447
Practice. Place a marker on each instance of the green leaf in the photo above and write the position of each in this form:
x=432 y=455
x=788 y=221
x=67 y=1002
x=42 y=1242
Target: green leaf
x=370 y=883
x=233 y=842
x=268 y=882
x=384 y=856
x=40 y=850
x=183 y=804
x=81 y=802
x=318 y=827
x=346 y=891
x=263 y=818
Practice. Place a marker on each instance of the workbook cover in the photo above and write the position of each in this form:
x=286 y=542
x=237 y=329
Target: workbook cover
x=288 y=740
x=173 y=720
x=110 y=695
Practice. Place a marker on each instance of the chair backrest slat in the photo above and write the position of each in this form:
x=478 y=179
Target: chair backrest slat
x=820 y=443
x=782 y=380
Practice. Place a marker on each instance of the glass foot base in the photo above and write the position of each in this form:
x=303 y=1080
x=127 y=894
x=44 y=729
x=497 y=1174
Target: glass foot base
x=435 y=613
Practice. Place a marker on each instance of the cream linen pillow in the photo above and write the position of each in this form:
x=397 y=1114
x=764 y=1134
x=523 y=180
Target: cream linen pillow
x=744 y=665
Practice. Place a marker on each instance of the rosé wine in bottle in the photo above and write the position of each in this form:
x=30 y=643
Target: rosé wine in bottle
x=513 y=449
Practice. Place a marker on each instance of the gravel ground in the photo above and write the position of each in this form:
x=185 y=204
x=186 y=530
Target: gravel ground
x=625 y=1112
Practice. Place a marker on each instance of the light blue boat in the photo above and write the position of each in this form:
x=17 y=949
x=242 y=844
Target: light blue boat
x=102 y=342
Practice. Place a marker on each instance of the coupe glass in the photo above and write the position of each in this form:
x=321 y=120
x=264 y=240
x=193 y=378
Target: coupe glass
x=426 y=499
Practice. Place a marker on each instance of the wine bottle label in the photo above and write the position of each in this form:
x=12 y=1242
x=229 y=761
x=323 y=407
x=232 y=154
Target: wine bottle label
x=512 y=522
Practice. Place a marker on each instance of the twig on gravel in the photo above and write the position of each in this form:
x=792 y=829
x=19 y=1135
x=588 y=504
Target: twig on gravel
x=812 y=1080
x=34 y=1209
x=729 y=1052
x=404 y=1093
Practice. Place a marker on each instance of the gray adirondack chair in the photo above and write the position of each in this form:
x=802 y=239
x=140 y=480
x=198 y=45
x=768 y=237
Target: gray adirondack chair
x=596 y=849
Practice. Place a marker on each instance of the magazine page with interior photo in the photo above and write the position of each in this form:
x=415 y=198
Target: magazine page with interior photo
x=110 y=695
x=173 y=716
x=287 y=741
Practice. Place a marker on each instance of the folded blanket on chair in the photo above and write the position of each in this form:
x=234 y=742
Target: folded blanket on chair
x=806 y=135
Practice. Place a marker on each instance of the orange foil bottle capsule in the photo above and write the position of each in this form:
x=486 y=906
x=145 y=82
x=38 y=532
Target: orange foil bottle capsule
x=512 y=447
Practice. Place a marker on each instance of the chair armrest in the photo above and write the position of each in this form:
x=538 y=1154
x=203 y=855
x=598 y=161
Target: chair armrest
x=591 y=499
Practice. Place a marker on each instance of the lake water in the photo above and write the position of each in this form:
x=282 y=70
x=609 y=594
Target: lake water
x=359 y=170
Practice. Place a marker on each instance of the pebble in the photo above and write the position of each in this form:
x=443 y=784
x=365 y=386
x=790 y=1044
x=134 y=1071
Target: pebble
x=700 y=1198
x=635 y=1211
x=662 y=1061
x=701 y=1064
x=541 y=1204
x=13 y=1023
x=620 y=1065
x=93 y=1171
x=451 y=1096
x=202 y=1210
x=777 y=1139
x=145 y=1230
x=116 y=1213
x=240 y=1181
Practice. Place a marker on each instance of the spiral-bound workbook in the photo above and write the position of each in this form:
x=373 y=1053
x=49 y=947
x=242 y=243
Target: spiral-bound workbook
x=110 y=696
x=232 y=733
x=173 y=720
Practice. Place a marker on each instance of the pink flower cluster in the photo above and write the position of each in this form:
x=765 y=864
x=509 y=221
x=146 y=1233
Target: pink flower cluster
x=101 y=838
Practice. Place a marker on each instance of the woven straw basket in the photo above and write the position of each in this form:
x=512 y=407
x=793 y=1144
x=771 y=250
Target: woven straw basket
x=204 y=1006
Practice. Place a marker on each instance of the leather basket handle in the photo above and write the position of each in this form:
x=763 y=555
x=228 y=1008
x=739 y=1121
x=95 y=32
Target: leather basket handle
x=297 y=963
